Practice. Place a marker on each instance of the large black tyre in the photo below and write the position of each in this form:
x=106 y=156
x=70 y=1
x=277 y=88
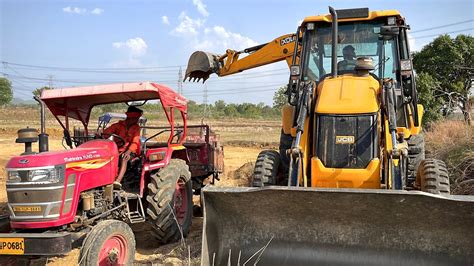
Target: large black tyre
x=265 y=172
x=110 y=242
x=285 y=143
x=416 y=153
x=170 y=205
x=432 y=177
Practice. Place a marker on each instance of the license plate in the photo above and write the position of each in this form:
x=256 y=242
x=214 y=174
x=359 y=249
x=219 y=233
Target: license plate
x=12 y=246
x=27 y=208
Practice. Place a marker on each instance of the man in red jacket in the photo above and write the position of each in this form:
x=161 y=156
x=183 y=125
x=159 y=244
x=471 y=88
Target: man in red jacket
x=129 y=130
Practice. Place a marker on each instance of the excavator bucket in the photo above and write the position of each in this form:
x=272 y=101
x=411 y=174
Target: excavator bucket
x=304 y=226
x=201 y=65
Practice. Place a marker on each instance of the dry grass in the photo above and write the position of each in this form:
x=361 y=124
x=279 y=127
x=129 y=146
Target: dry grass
x=453 y=142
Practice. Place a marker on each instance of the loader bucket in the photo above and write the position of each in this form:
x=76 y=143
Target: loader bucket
x=304 y=226
x=201 y=65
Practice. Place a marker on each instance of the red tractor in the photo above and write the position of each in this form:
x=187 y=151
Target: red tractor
x=58 y=197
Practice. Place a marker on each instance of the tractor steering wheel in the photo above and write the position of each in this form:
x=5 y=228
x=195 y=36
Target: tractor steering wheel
x=116 y=138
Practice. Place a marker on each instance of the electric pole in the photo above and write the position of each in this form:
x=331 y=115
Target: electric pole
x=180 y=81
x=50 y=77
x=204 y=100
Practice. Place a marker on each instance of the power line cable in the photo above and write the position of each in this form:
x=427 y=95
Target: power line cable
x=91 y=68
x=442 y=26
x=106 y=70
x=438 y=34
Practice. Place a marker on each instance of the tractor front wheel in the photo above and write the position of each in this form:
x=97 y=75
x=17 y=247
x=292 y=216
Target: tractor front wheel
x=170 y=201
x=110 y=242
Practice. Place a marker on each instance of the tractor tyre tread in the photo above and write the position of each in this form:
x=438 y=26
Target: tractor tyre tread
x=95 y=239
x=160 y=197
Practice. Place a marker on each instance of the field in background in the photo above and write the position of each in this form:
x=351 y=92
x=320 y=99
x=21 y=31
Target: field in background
x=243 y=139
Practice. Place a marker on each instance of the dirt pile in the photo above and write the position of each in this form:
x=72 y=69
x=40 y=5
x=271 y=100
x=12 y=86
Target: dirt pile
x=240 y=177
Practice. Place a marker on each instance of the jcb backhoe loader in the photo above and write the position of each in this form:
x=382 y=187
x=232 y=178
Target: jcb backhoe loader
x=355 y=187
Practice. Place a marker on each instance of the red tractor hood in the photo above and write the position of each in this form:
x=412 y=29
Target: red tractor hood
x=92 y=150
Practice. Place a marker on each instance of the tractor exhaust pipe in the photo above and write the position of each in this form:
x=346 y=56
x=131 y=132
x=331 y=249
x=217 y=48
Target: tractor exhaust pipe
x=43 y=137
x=334 y=42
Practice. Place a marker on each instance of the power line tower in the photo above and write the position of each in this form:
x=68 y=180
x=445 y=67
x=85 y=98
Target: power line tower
x=204 y=101
x=180 y=81
x=50 y=83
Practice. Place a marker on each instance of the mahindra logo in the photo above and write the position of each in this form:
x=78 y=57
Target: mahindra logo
x=23 y=161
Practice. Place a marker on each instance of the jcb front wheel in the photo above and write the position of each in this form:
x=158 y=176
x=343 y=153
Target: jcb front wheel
x=266 y=169
x=432 y=177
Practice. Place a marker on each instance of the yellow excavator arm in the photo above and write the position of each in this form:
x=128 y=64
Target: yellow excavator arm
x=202 y=64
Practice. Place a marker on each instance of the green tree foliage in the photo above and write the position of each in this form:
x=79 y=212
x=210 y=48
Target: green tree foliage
x=38 y=91
x=449 y=62
x=280 y=97
x=425 y=84
x=6 y=92
x=221 y=109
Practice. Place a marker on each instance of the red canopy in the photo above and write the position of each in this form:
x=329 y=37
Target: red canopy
x=77 y=102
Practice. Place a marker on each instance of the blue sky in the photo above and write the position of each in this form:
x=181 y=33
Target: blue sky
x=110 y=34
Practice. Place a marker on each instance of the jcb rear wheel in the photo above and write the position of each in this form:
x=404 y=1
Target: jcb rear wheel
x=432 y=177
x=266 y=169
x=285 y=143
x=170 y=205
x=416 y=153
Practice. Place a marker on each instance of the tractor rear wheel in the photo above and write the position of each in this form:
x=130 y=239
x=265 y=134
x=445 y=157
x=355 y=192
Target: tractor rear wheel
x=170 y=205
x=432 y=177
x=266 y=169
x=416 y=153
x=110 y=242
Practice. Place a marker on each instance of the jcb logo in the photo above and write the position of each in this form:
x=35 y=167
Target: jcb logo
x=345 y=139
x=287 y=40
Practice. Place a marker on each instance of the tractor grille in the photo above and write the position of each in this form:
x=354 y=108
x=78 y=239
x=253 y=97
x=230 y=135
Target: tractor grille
x=345 y=141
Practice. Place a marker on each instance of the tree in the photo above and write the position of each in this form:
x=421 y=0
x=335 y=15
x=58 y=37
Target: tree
x=38 y=91
x=280 y=97
x=426 y=85
x=449 y=62
x=6 y=92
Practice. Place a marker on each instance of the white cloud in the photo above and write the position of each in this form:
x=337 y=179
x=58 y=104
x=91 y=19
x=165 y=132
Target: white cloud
x=97 y=11
x=74 y=10
x=201 y=7
x=137 y=47
x=214 y=39
x=218 y=38
x=165 y=20
x=187 y=26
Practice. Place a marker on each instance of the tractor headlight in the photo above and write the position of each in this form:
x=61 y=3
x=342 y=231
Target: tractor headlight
x=13 y=177
x=46 y=175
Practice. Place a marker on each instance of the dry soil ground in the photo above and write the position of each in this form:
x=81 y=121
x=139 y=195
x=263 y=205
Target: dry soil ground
x=242 y=141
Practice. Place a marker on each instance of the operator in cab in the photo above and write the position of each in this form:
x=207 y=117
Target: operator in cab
x=129 y=131
x=349 y=62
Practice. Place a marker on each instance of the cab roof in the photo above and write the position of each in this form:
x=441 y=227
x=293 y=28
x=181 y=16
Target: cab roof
x=77 y=102
x=369 y=15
